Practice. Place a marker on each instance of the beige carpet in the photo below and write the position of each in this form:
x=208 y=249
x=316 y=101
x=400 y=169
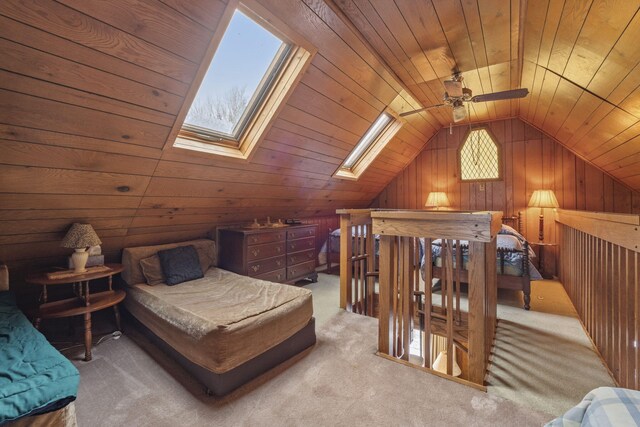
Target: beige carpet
x=542 y=362
x=543 y=358
x=340 y=382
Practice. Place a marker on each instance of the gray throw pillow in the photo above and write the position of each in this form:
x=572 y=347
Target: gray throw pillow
x=180 y=264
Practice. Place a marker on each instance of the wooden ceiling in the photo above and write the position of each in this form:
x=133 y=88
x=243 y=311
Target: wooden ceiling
x=580 y=59
x=90 y=89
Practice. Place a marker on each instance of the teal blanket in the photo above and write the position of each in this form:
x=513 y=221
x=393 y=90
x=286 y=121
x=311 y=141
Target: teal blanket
x=34 y=376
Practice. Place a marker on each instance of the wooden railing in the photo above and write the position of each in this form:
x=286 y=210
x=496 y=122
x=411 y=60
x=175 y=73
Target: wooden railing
x=600 y=272
x=357 y=261
x=470 y=332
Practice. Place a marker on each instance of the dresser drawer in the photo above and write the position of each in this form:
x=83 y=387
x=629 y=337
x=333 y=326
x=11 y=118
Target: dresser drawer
x=300 y=269
x=274 y=276
x=301 y=244
x=298 y=257
x=258 y=252
x=299 y=233
x=260 y=238
x=257 y=268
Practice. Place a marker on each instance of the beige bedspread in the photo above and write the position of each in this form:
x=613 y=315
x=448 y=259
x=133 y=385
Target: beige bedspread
x=223 y=319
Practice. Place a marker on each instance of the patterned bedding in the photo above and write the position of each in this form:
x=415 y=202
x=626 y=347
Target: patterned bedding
x=604 y=406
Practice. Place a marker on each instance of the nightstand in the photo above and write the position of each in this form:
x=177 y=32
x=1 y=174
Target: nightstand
x=542 y=245
x=84 y=303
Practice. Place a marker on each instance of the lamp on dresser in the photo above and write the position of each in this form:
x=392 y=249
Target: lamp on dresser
x=543 y=199
x=437 y=199
x=80 y=237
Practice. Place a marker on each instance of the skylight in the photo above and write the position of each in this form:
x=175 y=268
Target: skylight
x=365 y=142
x=252 y=66
x=369 y=146
x=246 y=61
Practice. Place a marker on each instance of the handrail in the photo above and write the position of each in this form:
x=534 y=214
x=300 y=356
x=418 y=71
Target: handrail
x=619 y=229
x=600 y=270
x=472 y=331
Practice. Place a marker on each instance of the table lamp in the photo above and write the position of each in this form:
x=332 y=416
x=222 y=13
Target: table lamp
x=543 y=199
x=436 y=199
x=80 y=237
x=440 y=364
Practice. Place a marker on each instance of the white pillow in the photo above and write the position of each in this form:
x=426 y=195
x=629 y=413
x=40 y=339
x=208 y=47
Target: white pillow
x=506 y=241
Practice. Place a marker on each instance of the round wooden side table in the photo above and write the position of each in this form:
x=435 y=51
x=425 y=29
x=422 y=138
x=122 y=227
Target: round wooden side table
x=84 y=303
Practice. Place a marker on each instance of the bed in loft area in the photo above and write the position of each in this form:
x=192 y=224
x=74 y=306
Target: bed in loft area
x=222 y=327
x=513 y=260
x=38 y=385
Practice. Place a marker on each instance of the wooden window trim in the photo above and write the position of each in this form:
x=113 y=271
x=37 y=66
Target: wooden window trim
x=499 y=148
x=374 y=150
x=276 y=96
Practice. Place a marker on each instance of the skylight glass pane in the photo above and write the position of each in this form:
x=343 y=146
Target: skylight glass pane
x=233 y=81
x=372 y=134
x=479 y=157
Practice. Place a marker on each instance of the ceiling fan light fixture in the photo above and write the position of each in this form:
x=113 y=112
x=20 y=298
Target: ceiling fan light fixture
x=459 y=113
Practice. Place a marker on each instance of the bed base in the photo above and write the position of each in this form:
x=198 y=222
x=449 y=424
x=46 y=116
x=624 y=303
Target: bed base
x=505 y=281
x=222 y=384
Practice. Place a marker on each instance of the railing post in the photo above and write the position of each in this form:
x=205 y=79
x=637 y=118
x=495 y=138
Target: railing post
x=345 y=267
x=477 y=309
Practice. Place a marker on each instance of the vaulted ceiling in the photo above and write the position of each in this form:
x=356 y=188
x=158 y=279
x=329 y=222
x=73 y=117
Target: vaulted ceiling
x=89 y=91
x=580 y=60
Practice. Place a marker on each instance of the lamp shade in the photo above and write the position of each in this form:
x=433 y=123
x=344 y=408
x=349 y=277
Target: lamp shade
x=543 y=199
x=437 y=199
x=440 y=364
x=80 y=236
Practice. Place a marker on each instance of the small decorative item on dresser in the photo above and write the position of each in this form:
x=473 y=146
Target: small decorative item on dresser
x=80 y=237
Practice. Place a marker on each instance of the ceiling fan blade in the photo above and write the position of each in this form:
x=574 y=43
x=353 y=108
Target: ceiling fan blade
x=498 y=96
x=408 y=113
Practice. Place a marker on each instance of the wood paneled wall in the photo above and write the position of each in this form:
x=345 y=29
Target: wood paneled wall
x=600 y=269
x=531 y=161
x=89 y=91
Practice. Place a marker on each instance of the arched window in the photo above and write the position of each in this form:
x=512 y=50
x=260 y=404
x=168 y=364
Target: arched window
x=479 y=157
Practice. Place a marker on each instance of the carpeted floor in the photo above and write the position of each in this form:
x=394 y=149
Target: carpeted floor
x=542 y=365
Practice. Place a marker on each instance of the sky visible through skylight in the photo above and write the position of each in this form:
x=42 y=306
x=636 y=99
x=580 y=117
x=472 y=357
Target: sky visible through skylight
x=239 y=64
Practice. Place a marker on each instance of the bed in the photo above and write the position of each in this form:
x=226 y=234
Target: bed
x=604 y=406
x=330 y=252
x=514 y=267
x=513 y=262
x=224 y=328
x=38 y=385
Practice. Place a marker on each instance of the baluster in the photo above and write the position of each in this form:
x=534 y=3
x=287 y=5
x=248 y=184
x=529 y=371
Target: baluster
x=428 y=281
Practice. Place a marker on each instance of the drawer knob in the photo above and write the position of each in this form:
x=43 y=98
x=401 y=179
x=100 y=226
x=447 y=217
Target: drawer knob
x=279 y=249
x=293 y=246
x=278 y=263
x=255 y=252
x=294 y=259
x=279 y=277
x=255 y=268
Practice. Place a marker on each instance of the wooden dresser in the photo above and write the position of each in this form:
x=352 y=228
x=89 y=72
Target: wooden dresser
x=284 y=255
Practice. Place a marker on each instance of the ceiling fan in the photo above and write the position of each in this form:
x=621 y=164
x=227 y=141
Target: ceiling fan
x=456 y=96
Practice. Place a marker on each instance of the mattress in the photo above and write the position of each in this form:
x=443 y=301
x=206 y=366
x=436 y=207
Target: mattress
x=222 y=320
x=35 y=377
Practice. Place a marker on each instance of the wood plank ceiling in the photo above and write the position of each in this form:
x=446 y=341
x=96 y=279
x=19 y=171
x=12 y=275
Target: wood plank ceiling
x=580 y=60
x=89 y=91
